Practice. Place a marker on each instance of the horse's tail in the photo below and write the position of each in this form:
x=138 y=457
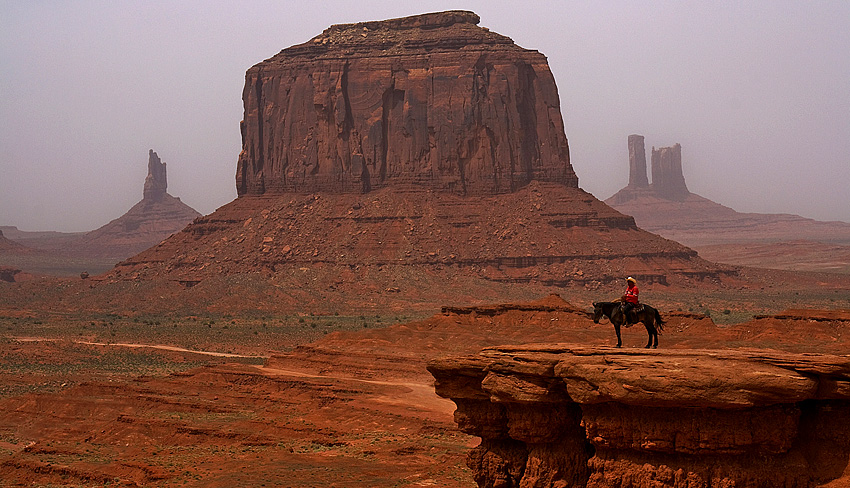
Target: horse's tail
x=658 y=319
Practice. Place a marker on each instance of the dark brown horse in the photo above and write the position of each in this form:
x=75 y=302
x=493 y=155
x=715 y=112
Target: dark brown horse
x=649 y=316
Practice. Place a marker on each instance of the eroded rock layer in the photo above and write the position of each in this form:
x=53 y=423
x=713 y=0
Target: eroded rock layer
x=561 y=415
x=545 y=233
x=432 y=100
x=8 y=245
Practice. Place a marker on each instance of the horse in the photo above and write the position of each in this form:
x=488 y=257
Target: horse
x=648 y=316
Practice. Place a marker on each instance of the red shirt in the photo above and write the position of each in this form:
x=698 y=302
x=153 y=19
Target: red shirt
x=631 y=294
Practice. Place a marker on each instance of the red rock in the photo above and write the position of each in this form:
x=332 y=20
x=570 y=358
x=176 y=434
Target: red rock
x=8 y=273
x=12 y=247
x=428 y=157
x=390 y=233
x=696 y=418
x=431 y=100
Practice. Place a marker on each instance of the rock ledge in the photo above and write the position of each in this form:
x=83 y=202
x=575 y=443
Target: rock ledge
x=564 y=415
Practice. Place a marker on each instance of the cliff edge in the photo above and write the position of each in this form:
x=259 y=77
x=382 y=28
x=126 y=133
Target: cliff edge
x=563 y=415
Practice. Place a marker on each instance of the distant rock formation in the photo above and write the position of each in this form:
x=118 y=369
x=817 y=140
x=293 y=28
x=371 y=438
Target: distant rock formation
x=561 y=415
x=156 y=183
x=668 y=181
x=637 y=162
x=6 y=244
x=431 y=100
x=667 y=178
x=668 y=208
x=424 y=147
x=155 y=217
x=10 y=247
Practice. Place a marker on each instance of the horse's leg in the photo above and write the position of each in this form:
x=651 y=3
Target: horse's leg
x=649 y=334
x=655 y=335
x=617 y=330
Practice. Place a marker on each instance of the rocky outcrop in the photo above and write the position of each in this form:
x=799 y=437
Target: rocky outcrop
x=544 y=234
x=431 y=100
x=156 y=183
x=8 y=273
x=560 y=415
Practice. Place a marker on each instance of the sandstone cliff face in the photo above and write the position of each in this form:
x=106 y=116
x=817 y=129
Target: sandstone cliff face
x=557 y=416
x=431 y=100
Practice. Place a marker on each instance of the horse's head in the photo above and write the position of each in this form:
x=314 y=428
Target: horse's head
x=597 y=312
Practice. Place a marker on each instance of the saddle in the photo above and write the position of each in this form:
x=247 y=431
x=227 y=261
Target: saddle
x=631 y=317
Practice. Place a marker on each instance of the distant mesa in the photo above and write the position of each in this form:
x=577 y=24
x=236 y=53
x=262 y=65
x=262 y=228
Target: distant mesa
x=666 y=207
x=8 y=245
x=407 y=155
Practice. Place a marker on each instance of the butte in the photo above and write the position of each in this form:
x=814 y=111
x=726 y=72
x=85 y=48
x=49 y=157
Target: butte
x=420 y=159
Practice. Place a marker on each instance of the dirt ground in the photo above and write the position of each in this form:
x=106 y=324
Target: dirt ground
x=303 y=400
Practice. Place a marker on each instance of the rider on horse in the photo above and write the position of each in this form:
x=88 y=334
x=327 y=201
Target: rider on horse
x=630 y=299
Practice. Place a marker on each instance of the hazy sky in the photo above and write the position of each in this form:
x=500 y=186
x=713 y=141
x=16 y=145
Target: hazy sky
x=757 y=93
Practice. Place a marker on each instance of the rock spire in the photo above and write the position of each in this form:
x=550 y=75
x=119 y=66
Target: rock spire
x=637 y=162
x=156 y=183
x=157 y=216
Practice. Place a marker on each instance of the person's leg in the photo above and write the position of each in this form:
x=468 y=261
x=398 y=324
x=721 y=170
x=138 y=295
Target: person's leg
x=627 y=311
